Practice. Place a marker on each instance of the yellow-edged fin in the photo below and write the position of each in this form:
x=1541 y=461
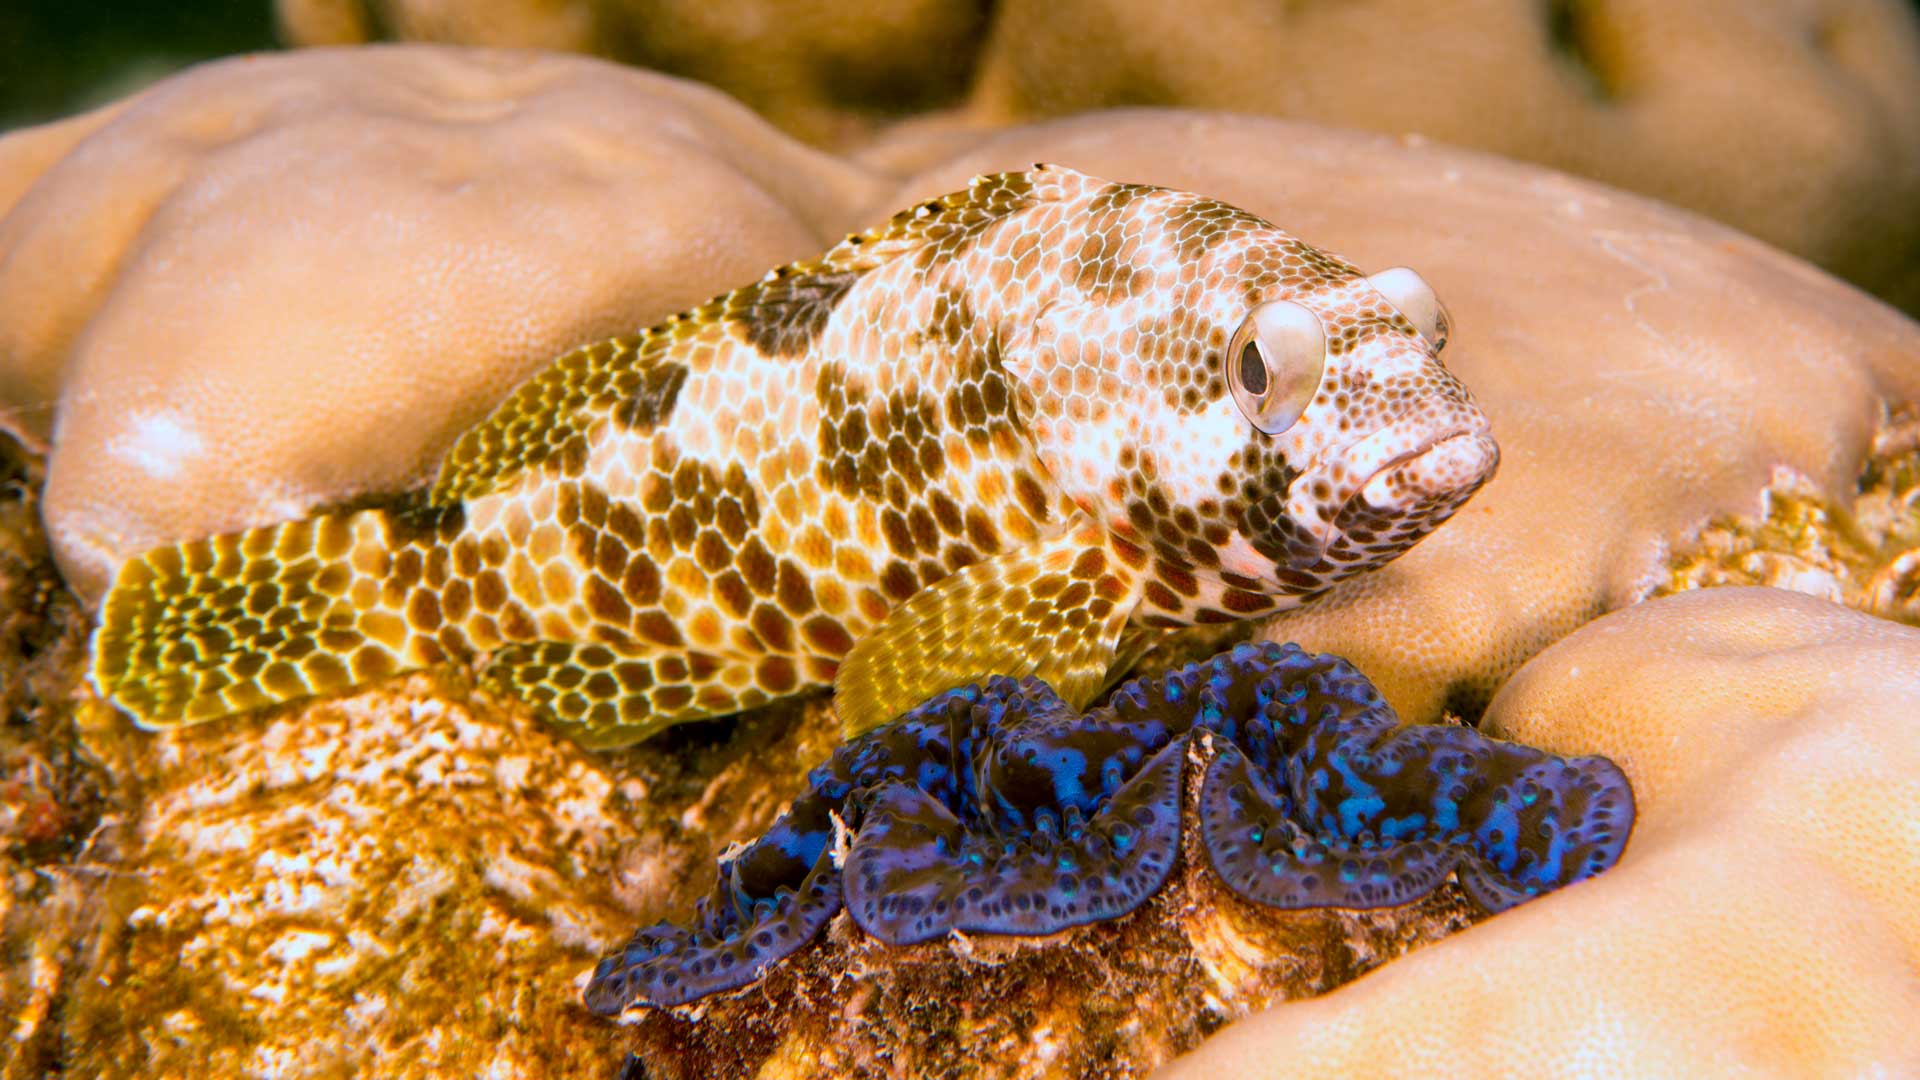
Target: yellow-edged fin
x=1055 y=609
x=549 y=416
x=212 y=627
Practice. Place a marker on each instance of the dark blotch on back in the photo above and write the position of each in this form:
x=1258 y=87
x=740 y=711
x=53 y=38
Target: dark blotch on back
x=652 y=401
x=781 y=317
x=1204 y=223
x=1108 y=266
x=411 y=518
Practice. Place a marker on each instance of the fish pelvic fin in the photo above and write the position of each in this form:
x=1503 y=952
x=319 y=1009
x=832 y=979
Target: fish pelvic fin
x=208 y=628
x=1055 y=610
x=605 y=697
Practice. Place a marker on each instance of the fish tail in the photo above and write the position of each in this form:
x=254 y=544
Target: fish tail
x=212 y=627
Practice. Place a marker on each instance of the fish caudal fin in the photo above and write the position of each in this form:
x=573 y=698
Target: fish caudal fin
x=218 y=626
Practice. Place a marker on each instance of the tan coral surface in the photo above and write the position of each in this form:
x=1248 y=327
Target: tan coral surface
x=1644 y=370
x=1761 y=921
x=824 y=70
x=1791 y=119
x=278 y=281
x=1794 y=120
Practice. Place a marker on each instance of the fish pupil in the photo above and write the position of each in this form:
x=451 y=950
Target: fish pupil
x=1253 y=370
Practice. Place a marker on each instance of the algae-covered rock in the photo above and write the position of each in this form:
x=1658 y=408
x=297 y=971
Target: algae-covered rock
x=51 y=795
x=404 y=882
x=1862 y=551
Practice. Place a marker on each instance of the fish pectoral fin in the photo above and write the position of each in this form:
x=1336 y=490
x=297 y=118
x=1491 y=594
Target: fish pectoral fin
x=1055 y=609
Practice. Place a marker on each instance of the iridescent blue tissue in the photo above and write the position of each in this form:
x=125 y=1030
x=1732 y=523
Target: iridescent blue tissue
x=998 y=809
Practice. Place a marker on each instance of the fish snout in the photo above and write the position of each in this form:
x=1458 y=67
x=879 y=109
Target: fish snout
x=1399 y=482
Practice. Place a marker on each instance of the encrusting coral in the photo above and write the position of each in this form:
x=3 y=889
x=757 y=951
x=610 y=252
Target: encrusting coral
x=998 y=810
x=1649 y=95
x=828 y=71
x=1646 y=95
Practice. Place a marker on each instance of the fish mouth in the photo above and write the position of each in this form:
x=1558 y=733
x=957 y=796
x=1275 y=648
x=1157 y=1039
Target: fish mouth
x=1409 y=466
x=1450 y=464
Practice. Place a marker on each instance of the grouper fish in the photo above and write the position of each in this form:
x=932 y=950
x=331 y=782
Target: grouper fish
x=1022 y=429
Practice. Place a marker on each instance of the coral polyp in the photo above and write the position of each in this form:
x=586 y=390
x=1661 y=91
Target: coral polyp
x=1000 y=810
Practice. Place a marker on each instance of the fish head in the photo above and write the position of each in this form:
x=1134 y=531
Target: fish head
x=1255 y=416
x=1357 y=441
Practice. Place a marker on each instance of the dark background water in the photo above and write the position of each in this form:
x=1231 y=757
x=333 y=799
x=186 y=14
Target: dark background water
x=59 y=57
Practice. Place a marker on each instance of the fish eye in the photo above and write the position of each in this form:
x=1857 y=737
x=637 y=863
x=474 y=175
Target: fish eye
x=1274 y=363
x=1414 y=299
x=1253 y=370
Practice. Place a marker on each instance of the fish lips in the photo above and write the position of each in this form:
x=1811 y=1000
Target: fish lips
x=1451 y=466
x=1399 y=483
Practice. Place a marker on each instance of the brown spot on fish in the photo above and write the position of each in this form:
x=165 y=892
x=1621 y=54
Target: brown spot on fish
x=605 y=603
x=796 y=596
x=776 y=674
x=773 y=627
x=783 y=315
x=657 y=628
x=650 y=402
x=825 y=635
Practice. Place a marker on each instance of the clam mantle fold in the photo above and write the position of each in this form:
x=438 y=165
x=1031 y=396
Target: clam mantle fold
x=1002 y=810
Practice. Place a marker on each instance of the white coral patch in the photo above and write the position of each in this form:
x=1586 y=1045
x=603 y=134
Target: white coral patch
x=159 y=443
x=296 y=945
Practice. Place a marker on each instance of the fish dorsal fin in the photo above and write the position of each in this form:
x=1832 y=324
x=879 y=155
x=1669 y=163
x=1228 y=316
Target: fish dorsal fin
x=548 y=417
x=1055 y=609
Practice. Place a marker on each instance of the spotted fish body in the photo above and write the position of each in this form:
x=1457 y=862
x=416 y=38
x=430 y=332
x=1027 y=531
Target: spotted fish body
x=1016 y=430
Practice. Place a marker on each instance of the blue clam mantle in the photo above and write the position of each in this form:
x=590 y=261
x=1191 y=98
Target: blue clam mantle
x=1000 y=810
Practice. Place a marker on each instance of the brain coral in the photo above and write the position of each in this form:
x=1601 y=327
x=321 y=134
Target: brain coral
x=999 y=810
x=1763 y=920
x=1644 y=370
x=222 y=293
